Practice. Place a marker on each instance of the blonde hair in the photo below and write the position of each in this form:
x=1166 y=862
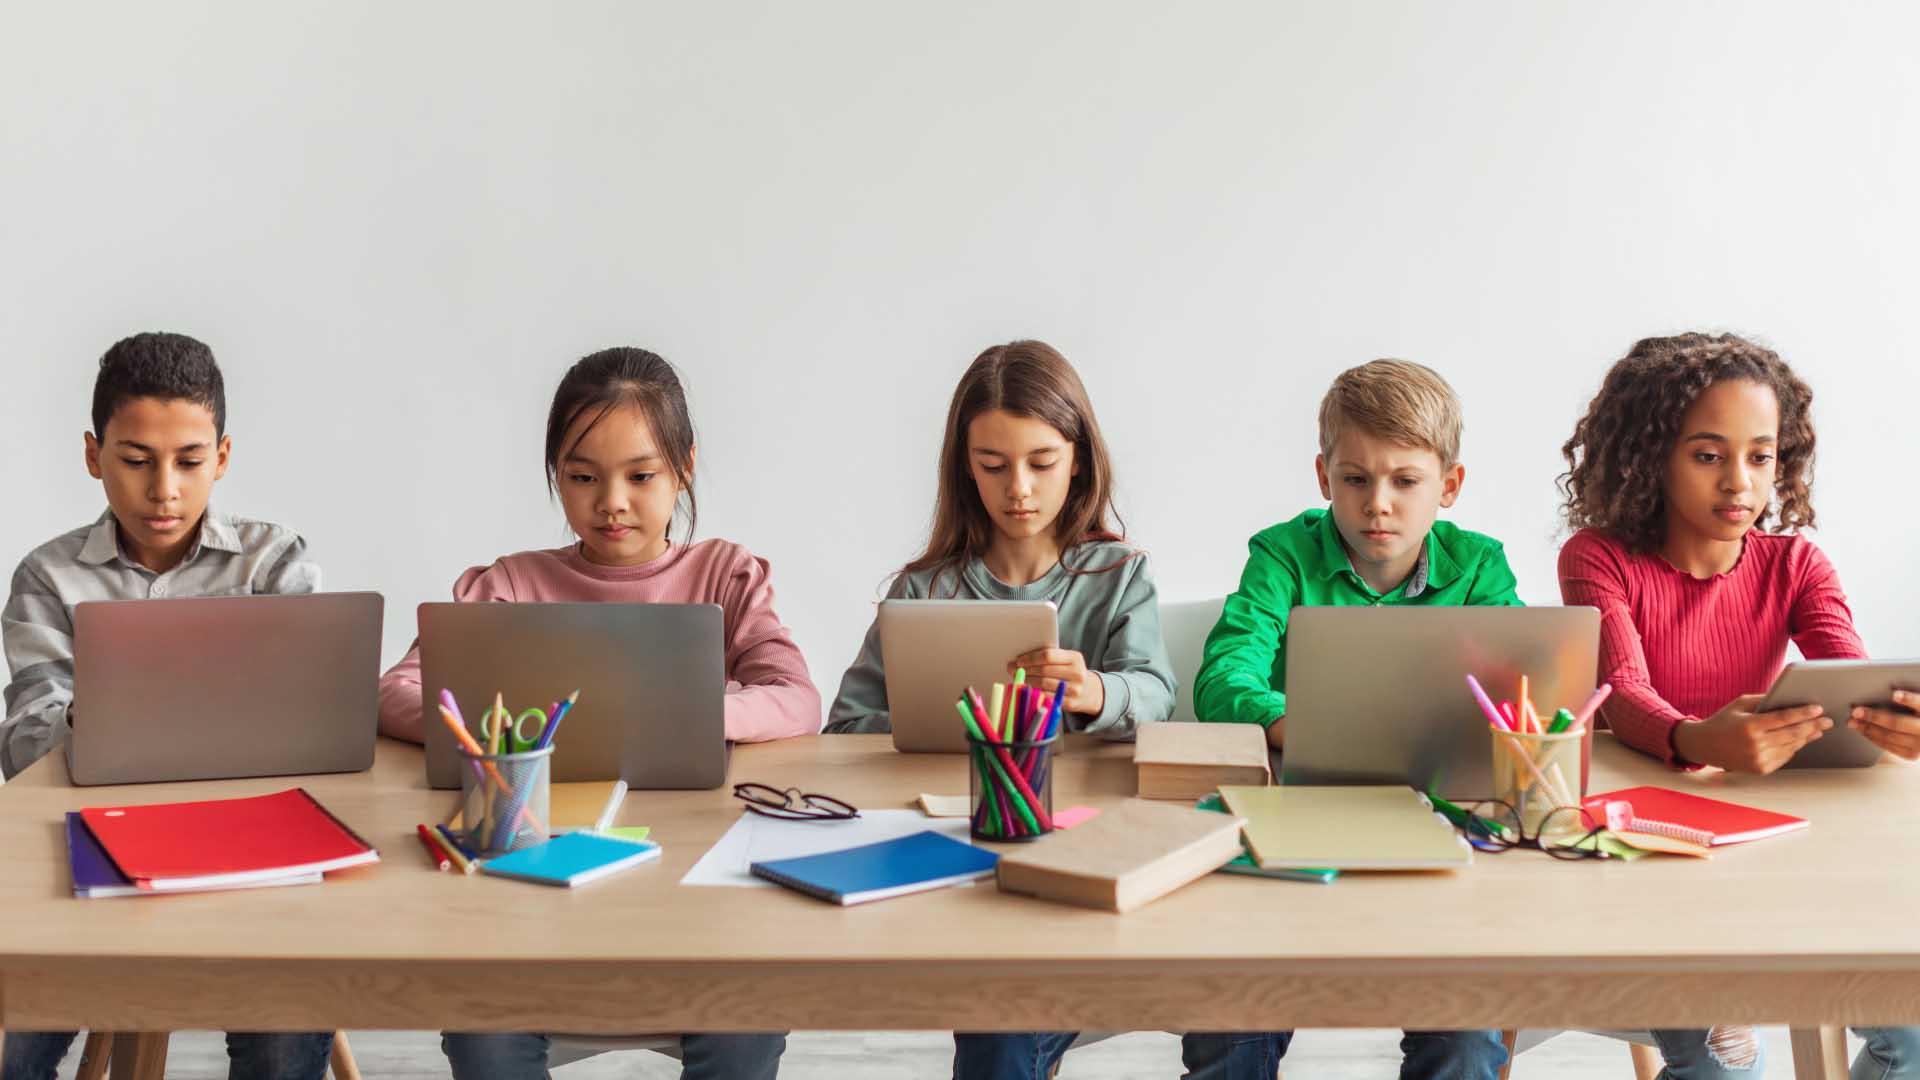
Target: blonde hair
x=1397 y=400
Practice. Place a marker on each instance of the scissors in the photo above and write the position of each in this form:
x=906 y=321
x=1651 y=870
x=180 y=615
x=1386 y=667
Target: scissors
x=495 y=726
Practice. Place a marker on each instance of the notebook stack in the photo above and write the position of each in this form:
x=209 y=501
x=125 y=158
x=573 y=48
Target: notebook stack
x=1186 y=761
x=247 y=843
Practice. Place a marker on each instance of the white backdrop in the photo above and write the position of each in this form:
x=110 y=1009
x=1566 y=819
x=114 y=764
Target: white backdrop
x=397 y=224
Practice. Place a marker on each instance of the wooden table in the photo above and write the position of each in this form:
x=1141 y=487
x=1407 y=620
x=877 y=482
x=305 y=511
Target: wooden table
x=1814 y=928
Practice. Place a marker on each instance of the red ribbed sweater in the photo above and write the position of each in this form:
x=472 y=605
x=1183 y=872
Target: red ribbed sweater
x=1677 y=648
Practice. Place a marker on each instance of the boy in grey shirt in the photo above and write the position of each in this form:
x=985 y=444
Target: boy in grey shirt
x=158 y=444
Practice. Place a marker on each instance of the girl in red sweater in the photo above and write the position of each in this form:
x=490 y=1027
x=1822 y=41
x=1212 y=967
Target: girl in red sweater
x=1688 y=484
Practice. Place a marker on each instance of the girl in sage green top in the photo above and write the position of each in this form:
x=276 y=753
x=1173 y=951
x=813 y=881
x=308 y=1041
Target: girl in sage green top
x=1025 y=512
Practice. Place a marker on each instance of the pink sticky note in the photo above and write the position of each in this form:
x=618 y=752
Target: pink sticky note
x=1074 y=815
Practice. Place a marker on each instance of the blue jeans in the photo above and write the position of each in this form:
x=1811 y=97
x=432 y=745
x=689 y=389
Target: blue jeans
x=1891 y=1053
x=1019 y=1055
x=35 y=1055
x=1425 y=1055
x=522 y=1055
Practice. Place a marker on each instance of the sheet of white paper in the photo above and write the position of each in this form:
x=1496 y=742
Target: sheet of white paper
x=757 y=838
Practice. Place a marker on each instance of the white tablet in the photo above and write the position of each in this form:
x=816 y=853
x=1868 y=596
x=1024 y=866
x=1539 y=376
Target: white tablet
x=1837 y=686
x=934 y=649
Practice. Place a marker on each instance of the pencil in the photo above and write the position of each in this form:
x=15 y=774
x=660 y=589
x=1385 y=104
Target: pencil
x=454 y=851
x=433 y=850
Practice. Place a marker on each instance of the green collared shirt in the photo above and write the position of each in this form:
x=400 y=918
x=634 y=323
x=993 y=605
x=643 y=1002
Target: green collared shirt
x=1301 y=563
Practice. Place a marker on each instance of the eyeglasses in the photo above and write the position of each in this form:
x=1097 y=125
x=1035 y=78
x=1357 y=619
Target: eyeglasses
x=1494 y=827
x=792 y=804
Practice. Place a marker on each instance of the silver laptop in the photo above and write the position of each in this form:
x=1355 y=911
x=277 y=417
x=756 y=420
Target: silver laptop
x=935 y=649
x=223 y=687
x=652 y=680
x=1378 y=695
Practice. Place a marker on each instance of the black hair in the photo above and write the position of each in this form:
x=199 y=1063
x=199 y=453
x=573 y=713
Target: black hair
x=170 y=367
x=610 y=378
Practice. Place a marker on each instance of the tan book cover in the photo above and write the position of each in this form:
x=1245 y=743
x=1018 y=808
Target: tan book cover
x=1129 y=856
x=1188 y=760
x=1346 y=828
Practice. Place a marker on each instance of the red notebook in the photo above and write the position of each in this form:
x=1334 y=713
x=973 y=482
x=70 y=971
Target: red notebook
x=225 y=842
x=1729 y=823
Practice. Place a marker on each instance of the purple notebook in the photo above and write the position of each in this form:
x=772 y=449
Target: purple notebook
x=95 y=876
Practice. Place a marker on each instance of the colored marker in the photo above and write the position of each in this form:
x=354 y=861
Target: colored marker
x=434 y=853
x=1584 y=717
x=1486 y=704
x=1562 y=720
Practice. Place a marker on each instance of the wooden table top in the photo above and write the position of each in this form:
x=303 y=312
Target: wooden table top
x=1813 y=927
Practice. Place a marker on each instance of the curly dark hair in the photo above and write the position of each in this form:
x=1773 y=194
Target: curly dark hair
x=171 y=367
x=1617 y=457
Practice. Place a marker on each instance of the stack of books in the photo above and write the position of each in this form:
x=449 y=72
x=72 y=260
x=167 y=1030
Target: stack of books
x=248 y=843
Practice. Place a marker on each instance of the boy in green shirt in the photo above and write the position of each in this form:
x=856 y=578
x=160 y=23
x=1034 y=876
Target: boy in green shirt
x=1388 y=462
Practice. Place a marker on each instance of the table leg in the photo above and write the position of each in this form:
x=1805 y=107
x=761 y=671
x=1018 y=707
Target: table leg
x=344 y=1067
x=93 y=1056
x=1820 y=1053
x=139 y=1055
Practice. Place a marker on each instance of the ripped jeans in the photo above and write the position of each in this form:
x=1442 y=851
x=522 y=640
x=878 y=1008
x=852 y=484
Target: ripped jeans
x=1891 y=1053
x=1722 y=1053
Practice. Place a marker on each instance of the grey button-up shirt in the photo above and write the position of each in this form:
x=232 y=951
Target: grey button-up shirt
x=232 y=556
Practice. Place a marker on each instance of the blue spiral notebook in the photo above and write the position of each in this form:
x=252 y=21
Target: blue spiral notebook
x=571 y=859
x=909 y=864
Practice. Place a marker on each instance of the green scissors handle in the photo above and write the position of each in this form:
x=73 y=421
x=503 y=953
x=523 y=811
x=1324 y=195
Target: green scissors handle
x=522 y=742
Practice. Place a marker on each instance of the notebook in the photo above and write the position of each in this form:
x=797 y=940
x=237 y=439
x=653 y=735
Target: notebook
x=575 y=806
x=1129 y=856
x=1728 y=823
x=95 y=877
x=881 y=871
x=1186 y=760
x=1243 y=863
x=1385 y=827
x=225 y=843
x=571 y=859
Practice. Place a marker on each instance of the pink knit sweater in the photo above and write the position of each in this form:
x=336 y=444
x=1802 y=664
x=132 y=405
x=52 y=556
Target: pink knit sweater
x=768 y=696
x=1677 y=648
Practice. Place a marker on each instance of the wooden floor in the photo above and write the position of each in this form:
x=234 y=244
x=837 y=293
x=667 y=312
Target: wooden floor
x=1334 y=1055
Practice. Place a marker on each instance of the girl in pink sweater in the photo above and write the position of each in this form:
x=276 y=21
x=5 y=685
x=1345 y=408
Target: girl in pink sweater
x=1692 y=442
x=620 y=454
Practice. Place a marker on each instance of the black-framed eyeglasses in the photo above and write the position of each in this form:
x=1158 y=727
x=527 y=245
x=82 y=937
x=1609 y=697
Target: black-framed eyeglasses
x=792 y=804
x=1494 y=826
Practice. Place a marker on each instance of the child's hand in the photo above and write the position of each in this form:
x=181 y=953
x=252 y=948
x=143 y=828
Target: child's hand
x=1738 y=739
x=1052 y=669
x=1895 y=730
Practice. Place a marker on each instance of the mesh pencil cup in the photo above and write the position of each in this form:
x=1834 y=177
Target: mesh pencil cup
x=1010 y=788
x=504 y=800
x=1536 y=774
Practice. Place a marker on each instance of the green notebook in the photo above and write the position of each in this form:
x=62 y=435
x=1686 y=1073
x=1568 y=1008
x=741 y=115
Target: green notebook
x=1243 y=863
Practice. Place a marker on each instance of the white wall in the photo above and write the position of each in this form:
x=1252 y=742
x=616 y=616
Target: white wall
x=397 y=224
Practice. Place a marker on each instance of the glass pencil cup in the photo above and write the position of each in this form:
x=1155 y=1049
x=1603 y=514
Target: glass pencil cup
x=503 y=800
x=1537 y=774
x=1010 y=788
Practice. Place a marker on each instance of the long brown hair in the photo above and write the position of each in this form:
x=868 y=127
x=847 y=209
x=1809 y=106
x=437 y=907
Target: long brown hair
x=1025 y=378
x=1617 y=457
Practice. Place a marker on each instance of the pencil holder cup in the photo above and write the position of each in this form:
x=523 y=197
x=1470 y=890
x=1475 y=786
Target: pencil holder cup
x=1537 y=774
x=1010 y=785
x=503 y=800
